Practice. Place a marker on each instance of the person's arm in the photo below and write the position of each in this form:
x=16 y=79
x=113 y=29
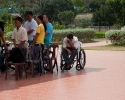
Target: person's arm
x=71 y=45
x=22 y=43
x=35 y=38
x=2 y=37
x=30 y=31
x=65 y=46
x=49 y=29
x=23 y=38
x=32 y=28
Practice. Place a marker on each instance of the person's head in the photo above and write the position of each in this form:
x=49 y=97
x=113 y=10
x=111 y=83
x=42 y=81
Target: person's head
x=39 y=19
x=70 y=37
x=2 y=25
x=18 y=21
x=46 y=18
x=29 y=15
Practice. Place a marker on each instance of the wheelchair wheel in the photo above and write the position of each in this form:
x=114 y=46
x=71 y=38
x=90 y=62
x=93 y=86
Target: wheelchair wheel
x=62 y=67
x=82 y=58
x=62 y=64
x=78 y=67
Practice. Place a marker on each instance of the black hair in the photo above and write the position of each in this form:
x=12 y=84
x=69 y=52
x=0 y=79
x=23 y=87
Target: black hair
x=70 y=36
x=18 y=18
x=2 y=25
x=44 y=24
x=48 y=17
x=29 y=12
x=40 y=17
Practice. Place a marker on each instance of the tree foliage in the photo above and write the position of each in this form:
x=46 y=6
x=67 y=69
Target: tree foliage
x=119 y=10
x=54 y=7
x=104 y=16
x=66 y=17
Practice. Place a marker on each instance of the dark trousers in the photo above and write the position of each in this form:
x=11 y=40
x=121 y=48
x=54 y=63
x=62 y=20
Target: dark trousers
x=30 y=42
x=1 y=62
x=42 y=60
x=69 y=59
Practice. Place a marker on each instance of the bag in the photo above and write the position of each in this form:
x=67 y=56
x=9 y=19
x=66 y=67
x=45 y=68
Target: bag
x=17 y=55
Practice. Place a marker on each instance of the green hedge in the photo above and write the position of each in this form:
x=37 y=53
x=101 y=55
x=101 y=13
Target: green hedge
x=116 y=36
x=100 y=35
x=86 y=34
x=59 y=27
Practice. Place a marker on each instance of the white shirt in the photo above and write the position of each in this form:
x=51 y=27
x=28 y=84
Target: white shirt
x=20 y=35
x=75 y=42
x=10 y=47
x=31 y=25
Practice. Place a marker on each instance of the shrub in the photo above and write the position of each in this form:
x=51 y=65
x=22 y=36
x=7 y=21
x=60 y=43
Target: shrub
x=116 y=36
x=58 y=26
x=82 y=22
x=9 y=25
x=66 y=17
x=100 y=35
x=86 y=34
x=8 y=35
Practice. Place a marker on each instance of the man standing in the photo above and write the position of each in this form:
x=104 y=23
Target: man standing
x=49 y=30
x=30 y=25
x=70 y=46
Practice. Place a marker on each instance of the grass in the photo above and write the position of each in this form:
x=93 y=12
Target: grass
x=106 y=47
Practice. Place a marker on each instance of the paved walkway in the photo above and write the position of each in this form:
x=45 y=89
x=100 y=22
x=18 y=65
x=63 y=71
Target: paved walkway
x=102 y=79
x=101 y=43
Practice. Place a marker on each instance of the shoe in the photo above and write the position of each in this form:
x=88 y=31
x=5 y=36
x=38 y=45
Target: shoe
x=47 y=69
x=69 y=66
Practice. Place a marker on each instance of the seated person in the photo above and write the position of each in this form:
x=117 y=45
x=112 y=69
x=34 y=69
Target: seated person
x=20 y=38
x=19 y=35
x=70 y=45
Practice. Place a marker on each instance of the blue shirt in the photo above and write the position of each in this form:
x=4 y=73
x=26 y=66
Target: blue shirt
x=49 y=32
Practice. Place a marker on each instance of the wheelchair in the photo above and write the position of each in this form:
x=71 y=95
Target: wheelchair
x=79 y=61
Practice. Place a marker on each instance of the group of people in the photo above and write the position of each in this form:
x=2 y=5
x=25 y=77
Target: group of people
x=39 y=32
x=32 y=33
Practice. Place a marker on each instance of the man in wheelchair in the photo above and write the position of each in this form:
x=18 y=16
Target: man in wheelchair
x=69 y=50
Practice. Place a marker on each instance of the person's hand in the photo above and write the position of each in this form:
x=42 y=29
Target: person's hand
x=16 y=46
x=68 y=41
x=69 y=52
x=32 y=46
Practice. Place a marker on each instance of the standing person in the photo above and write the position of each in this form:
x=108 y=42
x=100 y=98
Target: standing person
x=70 y=46
x=30 y=25
x=2 y=42
x=39 y=37
x=49 y=30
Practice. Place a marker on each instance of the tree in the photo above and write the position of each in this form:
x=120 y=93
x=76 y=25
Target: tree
x=54 y=7
x=119 y=10
x=66 y=17
x=104 y=16
x=95 y=5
